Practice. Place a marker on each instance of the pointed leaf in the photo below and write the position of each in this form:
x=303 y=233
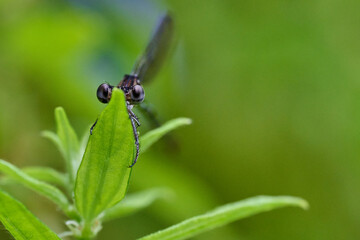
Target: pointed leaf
x=69 y=143
x=135 y=202
x=224 y=215
x=55 y=139
x=84 y=139
x=104 y=172
x=42 y=188
x=21 y=223
x=46 y=174
x=154 y=135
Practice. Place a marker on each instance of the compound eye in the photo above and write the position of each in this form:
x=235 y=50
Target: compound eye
x=104 y=92
x=137 y=93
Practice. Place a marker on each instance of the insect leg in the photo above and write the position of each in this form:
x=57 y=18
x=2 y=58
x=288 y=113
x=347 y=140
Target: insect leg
x=92 y=127
x=132 y=115
x=134 y=120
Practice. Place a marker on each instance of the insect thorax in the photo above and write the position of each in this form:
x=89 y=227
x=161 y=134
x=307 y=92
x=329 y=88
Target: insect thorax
x=127 y=84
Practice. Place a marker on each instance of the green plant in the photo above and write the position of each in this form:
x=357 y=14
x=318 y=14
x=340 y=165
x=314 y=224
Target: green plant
x=96 y=181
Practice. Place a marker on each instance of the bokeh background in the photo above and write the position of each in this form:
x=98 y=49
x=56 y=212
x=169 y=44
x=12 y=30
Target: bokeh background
x=272 y=87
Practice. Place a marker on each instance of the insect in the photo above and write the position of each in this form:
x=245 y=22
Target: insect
x=144 y=70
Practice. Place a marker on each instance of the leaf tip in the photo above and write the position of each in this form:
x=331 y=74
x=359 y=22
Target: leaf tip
x=187 y=121
x=45 y=133
x=59 y=109
x=296 y=201
x=117 y=92
x=304 y=204
x=165 y=193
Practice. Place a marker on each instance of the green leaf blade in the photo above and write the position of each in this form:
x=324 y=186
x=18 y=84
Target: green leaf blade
x=135 y=202
x=42 y=188
x=47 y=175
x=154 y=135
x=43 y=174
x=69 y=143
x=224 y=215
x=53 y=137
x=104 y=172
x=20 y=222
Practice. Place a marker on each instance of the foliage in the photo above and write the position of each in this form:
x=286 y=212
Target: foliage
x=20 y=222
x=100 y=180
x=225 y=214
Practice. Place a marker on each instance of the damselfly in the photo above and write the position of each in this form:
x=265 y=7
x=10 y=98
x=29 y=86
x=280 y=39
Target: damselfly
x=144 y=69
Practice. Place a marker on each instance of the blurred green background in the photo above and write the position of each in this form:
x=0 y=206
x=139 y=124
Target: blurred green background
x=272 y=87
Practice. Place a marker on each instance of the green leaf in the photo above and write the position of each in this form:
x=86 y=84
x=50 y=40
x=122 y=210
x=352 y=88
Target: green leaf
x=55 y=139
x=154 y=135
x=67 y=142
x=20 y=222
x=224 y=215
x=84 y=139
x=46 y=174
x=42 y=188
x=104 y=172
x=135 y=202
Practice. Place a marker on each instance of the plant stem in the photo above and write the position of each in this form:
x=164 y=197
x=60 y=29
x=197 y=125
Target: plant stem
x=87 y=232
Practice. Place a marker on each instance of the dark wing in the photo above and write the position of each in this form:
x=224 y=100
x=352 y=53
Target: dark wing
x=150 y=62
